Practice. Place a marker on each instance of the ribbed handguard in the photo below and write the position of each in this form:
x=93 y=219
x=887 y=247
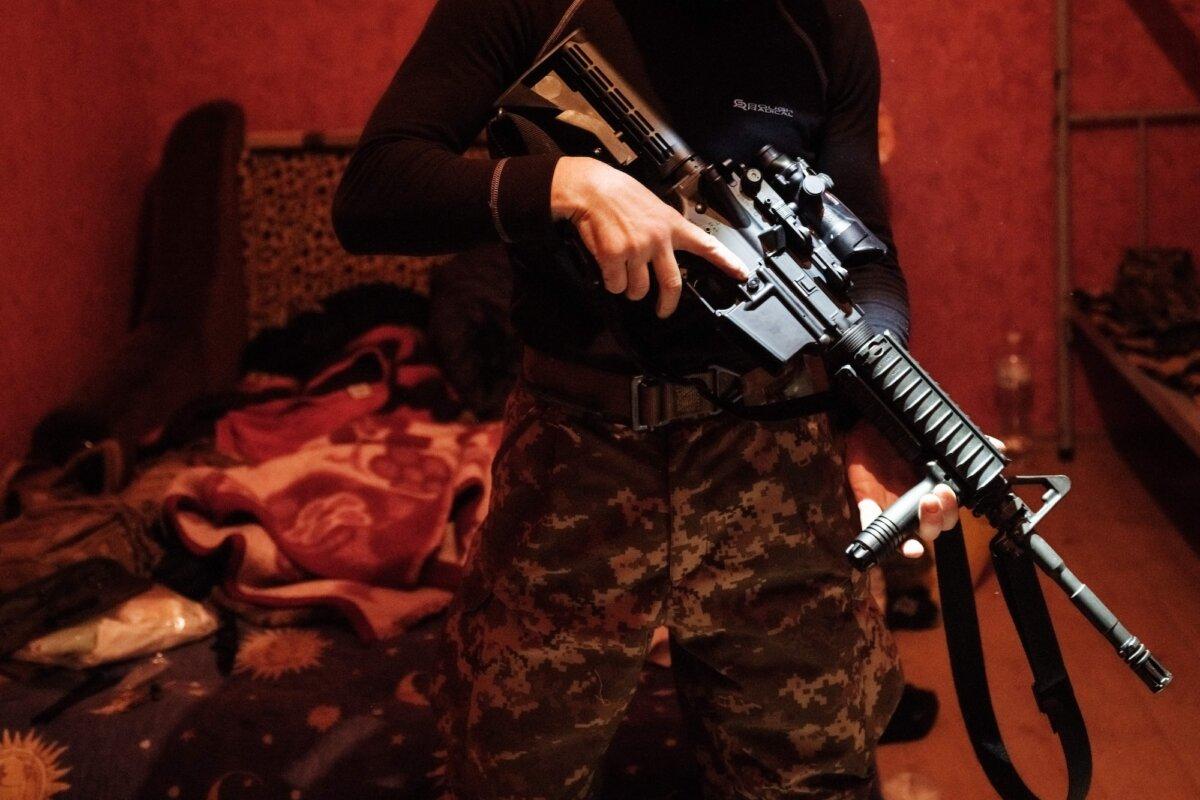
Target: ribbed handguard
x=892 y=390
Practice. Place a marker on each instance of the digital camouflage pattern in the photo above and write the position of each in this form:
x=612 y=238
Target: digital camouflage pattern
x=728 y=532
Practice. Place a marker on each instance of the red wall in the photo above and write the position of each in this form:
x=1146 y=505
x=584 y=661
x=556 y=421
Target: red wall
x=971 y=179
x=972 y=176
x=89 y=98
x=971 y=182
x=74 y=144
x=1125 y=71
x=290 y=63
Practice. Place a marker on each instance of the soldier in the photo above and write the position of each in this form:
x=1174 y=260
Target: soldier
x=620 y=504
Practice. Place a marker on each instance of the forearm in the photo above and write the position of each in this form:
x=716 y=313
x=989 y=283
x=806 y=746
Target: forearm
x=882 y=293
x=413 y=196
x=408 y=187
x=849 y=153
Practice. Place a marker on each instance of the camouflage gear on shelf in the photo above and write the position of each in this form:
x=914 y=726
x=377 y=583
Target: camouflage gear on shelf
x=728 y=532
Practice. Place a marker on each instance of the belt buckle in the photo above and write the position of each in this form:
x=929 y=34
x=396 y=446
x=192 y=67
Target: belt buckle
x=635 y=404
x=666 y=403
x=712 y=378
x=734 y=379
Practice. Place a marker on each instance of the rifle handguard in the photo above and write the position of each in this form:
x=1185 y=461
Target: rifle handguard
x=911 y=409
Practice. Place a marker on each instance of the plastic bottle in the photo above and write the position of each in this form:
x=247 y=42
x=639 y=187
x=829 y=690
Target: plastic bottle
x=1014 y=395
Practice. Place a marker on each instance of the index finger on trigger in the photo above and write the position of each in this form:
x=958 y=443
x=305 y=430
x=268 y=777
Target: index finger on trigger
x=692 y=239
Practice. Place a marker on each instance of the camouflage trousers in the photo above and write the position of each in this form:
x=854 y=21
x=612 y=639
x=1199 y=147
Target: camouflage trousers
x=728 y=532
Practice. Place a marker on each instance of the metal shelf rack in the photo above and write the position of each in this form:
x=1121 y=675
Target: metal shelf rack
x=1067 y=124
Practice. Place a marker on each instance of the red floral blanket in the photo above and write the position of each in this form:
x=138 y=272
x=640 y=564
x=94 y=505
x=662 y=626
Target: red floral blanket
x=373 y=517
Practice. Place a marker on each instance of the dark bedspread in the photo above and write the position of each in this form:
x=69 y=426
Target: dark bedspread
x=306 y=713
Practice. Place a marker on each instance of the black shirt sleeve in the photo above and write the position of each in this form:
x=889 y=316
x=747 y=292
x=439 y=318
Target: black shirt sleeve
x=849 y=153
x=408 y=188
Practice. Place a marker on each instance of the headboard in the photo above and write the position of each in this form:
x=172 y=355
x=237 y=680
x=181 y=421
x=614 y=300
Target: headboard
x=292 y=257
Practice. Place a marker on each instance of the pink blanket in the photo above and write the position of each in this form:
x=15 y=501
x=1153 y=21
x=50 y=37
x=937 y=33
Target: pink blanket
x=374 y=520
x=374 y=370
x=344 y=503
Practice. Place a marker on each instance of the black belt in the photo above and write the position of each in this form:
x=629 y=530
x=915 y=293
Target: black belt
x=645 y=402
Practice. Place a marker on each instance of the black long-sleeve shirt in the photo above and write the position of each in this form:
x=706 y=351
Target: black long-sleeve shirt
x=728 y=75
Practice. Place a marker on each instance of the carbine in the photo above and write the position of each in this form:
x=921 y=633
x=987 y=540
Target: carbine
x=780 y=217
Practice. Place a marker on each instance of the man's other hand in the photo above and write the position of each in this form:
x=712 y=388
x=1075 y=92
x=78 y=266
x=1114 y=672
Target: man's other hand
x=630 y=232
x=878 y=477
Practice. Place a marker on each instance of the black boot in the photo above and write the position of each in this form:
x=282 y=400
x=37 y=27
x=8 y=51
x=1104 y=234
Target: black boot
x=914 y=716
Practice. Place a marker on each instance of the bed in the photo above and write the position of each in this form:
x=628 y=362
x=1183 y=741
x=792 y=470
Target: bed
x=305 y=706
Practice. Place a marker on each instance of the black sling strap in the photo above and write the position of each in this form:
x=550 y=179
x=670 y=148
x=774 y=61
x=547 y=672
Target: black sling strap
x=1052 y=686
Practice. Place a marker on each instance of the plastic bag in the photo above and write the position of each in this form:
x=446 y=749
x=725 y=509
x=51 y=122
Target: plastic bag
x=155 y=620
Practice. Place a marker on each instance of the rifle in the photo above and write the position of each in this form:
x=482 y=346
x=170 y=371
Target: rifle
x=780 y=217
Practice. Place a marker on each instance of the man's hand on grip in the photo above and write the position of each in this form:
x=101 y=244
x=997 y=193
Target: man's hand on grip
x=877 y=477
x=630 y=232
